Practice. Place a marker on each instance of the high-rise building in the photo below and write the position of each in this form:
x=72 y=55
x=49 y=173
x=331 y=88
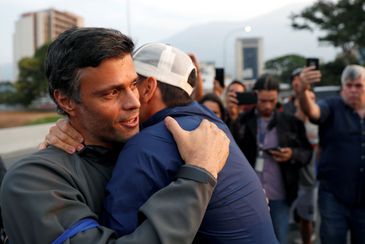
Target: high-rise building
x=34 y=29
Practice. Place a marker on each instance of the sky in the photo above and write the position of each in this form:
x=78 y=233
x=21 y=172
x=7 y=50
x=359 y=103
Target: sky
x=149 y=20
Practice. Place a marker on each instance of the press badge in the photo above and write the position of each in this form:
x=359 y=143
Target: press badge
x=259 y=166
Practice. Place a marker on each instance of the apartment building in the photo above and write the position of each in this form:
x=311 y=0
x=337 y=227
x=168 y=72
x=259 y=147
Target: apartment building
x=34 y=29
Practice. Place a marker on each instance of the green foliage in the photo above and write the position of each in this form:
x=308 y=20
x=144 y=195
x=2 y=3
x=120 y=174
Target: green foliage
x=331 y=71
x=7 y=93
x=283 y=66
x=31 y=83
x=8 y=98
x=342 y=23
x=45 y=120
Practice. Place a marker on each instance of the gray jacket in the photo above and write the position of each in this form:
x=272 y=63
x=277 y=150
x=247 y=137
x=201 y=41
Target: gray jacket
x=2 y=170
x=49 y=191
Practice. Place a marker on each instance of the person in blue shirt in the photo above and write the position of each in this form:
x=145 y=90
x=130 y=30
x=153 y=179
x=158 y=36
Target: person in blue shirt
x=341 y=169
x=237 y=212
x=54 y=197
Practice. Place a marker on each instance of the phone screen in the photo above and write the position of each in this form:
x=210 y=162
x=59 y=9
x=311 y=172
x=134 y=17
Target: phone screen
x=268 y=150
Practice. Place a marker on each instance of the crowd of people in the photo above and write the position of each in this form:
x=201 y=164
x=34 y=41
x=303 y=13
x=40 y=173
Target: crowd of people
x=307 y=154
x=144 y=156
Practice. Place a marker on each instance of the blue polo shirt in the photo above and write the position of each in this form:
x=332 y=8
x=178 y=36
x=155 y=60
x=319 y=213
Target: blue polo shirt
x=237 y=212
x=341 y=168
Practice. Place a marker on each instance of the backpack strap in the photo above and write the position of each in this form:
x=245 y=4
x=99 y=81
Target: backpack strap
x=80 y=226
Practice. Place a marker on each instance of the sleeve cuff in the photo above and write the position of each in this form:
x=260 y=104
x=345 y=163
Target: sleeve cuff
x=197 y=174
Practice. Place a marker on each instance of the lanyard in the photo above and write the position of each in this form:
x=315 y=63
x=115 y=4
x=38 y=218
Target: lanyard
x=261 y=132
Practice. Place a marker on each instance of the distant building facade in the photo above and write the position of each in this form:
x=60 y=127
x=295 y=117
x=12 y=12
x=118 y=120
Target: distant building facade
x=207 y=70
x=249 y=58
x=34 y=29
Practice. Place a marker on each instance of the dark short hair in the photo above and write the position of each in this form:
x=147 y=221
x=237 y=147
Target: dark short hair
x=79 y=48
x=174 y=96
x=238 y=83
x=214 y=98
x=266 y=82
x=295 y=73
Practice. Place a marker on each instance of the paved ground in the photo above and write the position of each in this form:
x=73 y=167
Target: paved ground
x=19 y=141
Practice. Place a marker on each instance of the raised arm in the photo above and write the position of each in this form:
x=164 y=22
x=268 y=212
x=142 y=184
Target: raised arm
x=308 y=105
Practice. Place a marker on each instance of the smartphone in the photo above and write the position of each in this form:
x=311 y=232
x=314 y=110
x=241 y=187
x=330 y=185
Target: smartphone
x=313 y=62
x=246 y=98
x=268 y=150
x=219 y=76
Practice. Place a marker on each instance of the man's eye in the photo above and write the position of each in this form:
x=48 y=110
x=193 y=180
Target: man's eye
x=134 y=84
x=112 y=93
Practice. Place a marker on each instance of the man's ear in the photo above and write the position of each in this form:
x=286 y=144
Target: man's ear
x=66 y=103
x=148 y=90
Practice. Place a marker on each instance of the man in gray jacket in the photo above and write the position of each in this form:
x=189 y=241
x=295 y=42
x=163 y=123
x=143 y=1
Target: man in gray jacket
x=2 y=173
x=52 y=196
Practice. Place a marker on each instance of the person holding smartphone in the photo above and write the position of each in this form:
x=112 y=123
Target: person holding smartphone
x=276 y=146
x=305 y=205
x=341 y=168
x=232 y=106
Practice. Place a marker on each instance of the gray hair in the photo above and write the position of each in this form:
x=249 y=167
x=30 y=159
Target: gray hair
x=352 y=72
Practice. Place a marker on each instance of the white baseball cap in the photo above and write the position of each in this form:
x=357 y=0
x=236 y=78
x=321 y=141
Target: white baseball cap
x=165 y=63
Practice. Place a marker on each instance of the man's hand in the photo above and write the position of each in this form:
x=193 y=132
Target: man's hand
x=232 y=105
x=63 y=136
x=282 y=155
x=206 y=147
x=309 y=76
x=232 y=99
x=217 y=88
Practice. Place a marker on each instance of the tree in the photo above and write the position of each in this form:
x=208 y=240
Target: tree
x=32 y=83
x=283 y=66
x=342 y=22
x=331 y=71
x=7 y=91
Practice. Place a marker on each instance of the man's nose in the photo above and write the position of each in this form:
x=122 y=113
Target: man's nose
x=132 y=100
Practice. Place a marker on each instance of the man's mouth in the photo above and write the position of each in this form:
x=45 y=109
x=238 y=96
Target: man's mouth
x=130 y=123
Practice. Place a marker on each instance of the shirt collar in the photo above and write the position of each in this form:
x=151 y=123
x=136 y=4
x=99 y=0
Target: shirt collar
x=159 y=116
x=99 y=152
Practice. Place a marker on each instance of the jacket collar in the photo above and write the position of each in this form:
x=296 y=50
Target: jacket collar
x=107 y=155
x=193 y=108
